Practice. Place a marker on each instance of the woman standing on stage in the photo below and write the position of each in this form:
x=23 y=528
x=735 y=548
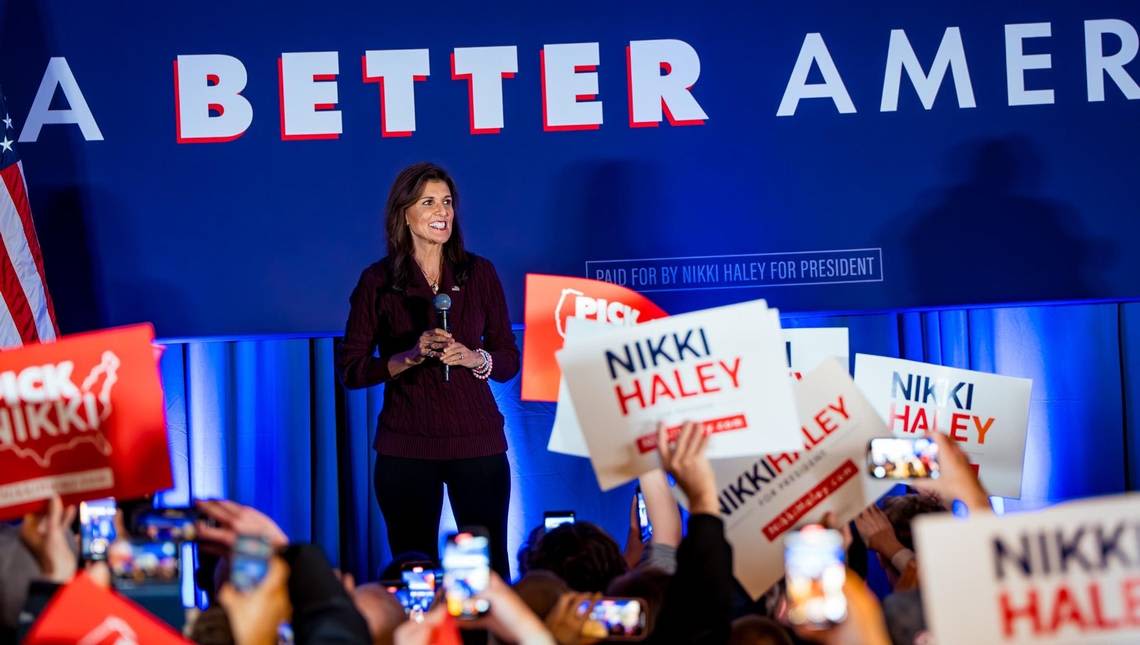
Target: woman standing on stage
x=433 y=429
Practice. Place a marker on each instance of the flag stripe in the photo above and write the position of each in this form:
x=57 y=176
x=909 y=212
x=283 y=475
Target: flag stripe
x=34 y=286
x=9 y=335
x=11 y=289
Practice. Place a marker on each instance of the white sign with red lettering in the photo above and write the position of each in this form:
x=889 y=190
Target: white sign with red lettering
x=987 y=414
x=762 y=498
x=1066 y=574
x=722 y=367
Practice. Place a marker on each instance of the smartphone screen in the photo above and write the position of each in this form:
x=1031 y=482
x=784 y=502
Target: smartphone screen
x=96 y=528
x=615 y=619
x=815 y=571
x=173 y=524
x=902 y=458
x=466 y=574
x=249 y=562
x=643 y=519
x=553 y=519
x=143 y=562
x=420 y=585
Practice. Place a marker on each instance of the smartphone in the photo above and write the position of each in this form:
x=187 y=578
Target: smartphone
x=419 y=583
x=177 y=524
x=815 y=571
x=249 y=562
x=615 y=619
x=137 y=563
x=466 y=574
x=553 y=519
x=902 y=458
x=96 y=528
x=643 y=519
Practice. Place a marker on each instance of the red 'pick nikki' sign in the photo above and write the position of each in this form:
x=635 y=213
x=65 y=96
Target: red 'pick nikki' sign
x=550 y=300
x=82 y=417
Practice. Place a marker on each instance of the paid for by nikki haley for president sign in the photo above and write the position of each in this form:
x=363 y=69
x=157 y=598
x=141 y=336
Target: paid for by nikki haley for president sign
x=724 y=368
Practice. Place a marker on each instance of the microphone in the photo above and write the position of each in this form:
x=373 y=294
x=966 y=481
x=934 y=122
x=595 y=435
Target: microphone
x=442 y=304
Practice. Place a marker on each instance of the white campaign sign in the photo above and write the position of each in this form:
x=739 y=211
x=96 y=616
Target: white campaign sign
x=987 y=414
x=566 y=437
x=761 y=499
x=1067 y=574
x=722 y=367
x=807 y=347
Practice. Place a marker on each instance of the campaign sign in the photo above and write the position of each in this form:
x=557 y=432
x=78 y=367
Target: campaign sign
x=722 y=367
x=83 y=612
x=82 y=417
x=553 y=299
x=987 y=414
x=1067 y=574
x=565 y=435
x=808 y=347
x=762 y=498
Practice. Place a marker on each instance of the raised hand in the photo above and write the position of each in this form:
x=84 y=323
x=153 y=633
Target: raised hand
x=686 y=462
x=48 y=536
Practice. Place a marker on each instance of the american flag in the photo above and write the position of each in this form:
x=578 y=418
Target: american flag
x=26 y=311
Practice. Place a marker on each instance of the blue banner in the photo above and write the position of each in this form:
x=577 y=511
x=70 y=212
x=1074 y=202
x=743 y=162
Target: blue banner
x=223 y=169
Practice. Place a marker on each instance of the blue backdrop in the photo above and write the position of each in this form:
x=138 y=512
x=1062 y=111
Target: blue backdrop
x=264 y=421
x=952 y=205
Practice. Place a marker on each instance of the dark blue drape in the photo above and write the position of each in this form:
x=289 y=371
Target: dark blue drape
x=264 y=422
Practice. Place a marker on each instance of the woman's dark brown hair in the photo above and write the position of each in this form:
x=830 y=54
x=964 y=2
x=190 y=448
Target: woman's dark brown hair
x=405 y=191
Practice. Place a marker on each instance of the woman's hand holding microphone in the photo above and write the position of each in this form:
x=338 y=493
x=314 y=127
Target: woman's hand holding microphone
x=437 y=343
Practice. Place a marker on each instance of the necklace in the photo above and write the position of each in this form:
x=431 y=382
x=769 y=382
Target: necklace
x=432 y=282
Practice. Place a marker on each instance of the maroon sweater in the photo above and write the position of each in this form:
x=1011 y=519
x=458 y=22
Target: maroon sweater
x=424 y=417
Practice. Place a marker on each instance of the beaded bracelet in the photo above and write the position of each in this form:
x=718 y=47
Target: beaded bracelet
x=484 y=371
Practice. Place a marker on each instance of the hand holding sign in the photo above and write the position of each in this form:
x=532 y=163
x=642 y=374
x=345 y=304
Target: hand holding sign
x=685 y=460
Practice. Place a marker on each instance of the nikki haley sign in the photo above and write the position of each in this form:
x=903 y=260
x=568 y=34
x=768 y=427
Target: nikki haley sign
x=1067 y=574
x=822 y=156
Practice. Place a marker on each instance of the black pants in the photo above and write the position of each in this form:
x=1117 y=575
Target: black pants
x=410 y=492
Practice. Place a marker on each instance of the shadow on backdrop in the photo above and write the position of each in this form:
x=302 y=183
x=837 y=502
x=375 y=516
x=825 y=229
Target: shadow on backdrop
x=992 y=238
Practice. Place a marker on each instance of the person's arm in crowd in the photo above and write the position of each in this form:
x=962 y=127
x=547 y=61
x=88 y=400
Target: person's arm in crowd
x=256 y=615
x=664 y=517
x=323 y=611
x=510 y=619
x=879 y=535
x=233 y=519
x=956 y=479
x=698 y=602
x=49 y=538
x=864 y=624
x=567 y=620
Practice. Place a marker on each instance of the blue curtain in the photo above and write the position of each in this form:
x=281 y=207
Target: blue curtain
x=264 y=421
